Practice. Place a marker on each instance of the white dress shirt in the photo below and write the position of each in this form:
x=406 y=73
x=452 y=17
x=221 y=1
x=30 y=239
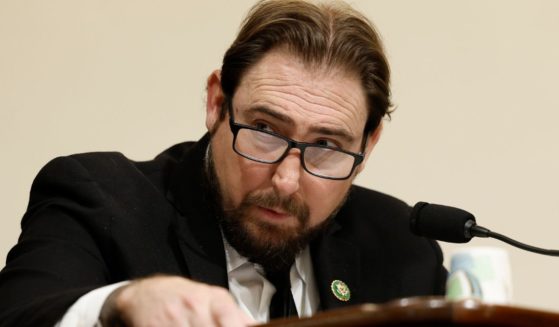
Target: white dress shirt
x=85 y=311
x=247 y=285
x=253 y=292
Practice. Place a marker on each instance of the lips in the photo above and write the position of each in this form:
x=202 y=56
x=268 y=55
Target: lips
x=274 y=213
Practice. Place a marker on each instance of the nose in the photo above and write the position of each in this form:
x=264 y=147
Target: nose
x=287 y=174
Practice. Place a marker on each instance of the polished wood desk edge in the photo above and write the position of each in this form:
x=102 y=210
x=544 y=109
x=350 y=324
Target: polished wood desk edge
x=416 y=310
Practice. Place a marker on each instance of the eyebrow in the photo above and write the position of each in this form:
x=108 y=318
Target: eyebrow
x=340 y=132
x=272 y=113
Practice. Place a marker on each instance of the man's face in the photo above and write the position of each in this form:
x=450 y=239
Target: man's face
x=276 y=203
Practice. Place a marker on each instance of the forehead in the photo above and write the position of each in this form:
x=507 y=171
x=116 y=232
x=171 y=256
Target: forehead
x=311 y=96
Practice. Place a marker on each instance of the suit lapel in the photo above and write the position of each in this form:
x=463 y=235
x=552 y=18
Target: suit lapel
x=196 y=228
x=202 y=249
x=336 y=265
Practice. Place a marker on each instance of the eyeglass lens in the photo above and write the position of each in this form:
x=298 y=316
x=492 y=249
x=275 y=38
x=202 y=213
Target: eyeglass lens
x=264 y=147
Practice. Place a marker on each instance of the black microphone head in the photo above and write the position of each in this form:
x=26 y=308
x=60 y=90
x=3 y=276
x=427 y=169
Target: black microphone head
x=442 y=223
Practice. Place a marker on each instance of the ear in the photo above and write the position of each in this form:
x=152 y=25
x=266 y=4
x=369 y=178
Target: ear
x=372 y=139
x=214 y=100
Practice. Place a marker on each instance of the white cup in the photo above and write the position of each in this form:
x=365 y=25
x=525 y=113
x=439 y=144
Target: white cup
x=480 y=272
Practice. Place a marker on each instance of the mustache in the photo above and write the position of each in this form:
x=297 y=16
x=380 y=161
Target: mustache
x=291 y=205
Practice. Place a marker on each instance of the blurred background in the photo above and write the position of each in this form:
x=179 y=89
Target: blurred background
x=474 y=83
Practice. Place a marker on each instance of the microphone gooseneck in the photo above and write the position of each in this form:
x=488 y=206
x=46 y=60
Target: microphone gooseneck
x=455 y=225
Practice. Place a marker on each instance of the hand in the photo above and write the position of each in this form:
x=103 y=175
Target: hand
x=171 y=301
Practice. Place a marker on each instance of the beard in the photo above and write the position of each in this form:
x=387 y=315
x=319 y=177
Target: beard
x=273 y=246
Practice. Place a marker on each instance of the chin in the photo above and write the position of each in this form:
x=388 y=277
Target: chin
x=266 y=234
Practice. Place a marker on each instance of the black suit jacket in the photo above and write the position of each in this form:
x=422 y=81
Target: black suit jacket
x=99 y=218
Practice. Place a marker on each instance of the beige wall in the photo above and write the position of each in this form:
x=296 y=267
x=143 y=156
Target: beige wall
x=474 y=82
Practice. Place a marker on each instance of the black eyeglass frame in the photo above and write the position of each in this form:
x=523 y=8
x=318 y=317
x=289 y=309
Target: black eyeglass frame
x=236 y=127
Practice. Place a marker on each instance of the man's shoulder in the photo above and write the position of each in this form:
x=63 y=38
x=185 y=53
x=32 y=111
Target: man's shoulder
x=111 y=162
x=370 y=202
x=370 y=213
x=107 y=174
x=108 y=165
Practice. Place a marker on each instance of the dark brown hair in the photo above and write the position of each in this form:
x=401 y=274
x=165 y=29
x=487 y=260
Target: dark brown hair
x=327 y=34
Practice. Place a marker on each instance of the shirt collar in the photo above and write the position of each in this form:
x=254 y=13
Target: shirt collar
x=303 y=264
x=233 y=258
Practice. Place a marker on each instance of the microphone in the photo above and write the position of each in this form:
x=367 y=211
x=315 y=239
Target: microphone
x=455 y=225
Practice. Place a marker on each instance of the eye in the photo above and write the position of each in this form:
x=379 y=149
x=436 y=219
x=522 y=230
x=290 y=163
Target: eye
x=263 y=126
x=329 y=143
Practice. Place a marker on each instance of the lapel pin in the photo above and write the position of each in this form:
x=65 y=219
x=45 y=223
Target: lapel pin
x=340 y=290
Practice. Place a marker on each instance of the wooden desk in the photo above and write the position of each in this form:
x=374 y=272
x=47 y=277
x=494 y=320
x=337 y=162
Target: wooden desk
x=427 y=311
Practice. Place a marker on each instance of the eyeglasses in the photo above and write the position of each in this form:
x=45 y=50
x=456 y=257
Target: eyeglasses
x=268 y=147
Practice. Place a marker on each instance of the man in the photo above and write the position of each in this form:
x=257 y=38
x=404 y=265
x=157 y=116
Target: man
x=263 y=205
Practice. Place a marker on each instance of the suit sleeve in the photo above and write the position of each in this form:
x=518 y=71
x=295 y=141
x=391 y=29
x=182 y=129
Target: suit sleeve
x=58 y=257
x=441 y=274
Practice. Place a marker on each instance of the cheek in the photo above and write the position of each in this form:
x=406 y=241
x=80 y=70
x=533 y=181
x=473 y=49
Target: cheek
x=254 y=175
x=241 y=177
x=323 y=197
x=225 y=164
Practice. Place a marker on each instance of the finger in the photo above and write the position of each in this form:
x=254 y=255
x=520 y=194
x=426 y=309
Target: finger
x=199 y=316
x=226 y=312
